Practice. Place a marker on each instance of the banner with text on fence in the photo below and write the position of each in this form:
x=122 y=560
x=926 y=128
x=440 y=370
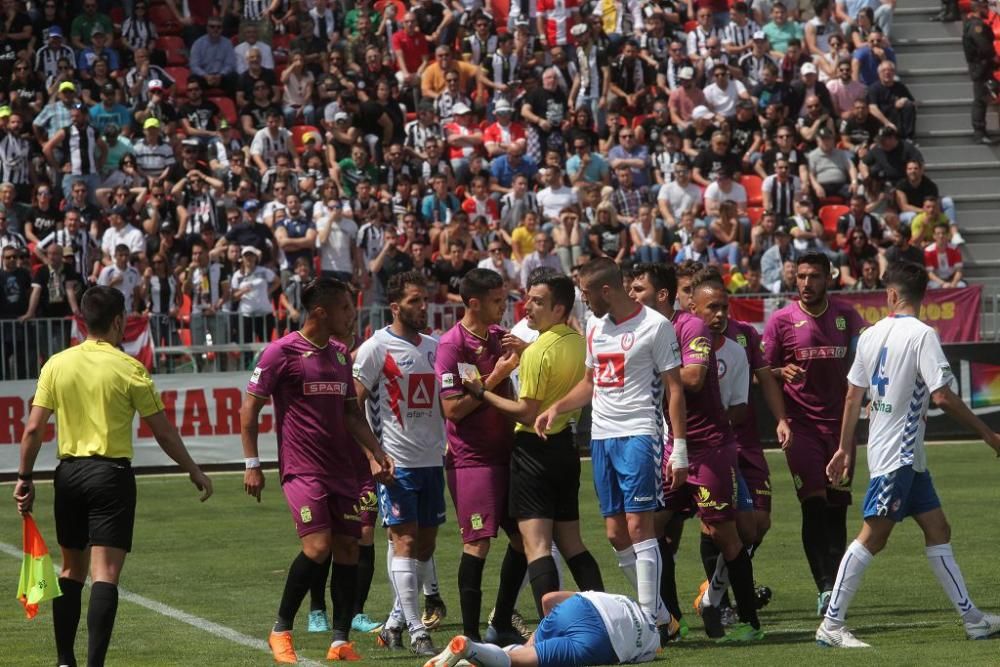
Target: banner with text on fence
x=205 y=409
x=954 y=313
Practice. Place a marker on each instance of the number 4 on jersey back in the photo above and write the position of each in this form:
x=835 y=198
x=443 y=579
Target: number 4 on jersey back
x=879 y=379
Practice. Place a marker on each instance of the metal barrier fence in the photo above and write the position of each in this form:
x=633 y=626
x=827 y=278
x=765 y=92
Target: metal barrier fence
x=230 y=342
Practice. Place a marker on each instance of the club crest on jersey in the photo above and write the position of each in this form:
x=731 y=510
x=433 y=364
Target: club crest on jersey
x=430 y=357
x=741 y=339
x=305 y=513
x=841 y=323
x=447 y=380
x=722 y=367
x=341 y=359
x=627 y=341
x=255 y=376
x=477 y=521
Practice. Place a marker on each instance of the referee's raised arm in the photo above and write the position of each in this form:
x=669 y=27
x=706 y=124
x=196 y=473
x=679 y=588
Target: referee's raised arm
x=95 y=389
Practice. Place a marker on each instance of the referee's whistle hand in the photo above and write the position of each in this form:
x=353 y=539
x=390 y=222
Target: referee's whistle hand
x=203 y=483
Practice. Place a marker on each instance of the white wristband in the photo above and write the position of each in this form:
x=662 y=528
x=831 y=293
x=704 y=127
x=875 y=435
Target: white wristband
x=679 y=455
x=252 y=462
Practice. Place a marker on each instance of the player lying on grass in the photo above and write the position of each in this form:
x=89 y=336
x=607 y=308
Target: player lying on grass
x=902 y=366
x=578 y=629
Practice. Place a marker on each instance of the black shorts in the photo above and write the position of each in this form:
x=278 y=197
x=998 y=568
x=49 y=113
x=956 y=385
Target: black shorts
x=545 y=477
x=95 y=503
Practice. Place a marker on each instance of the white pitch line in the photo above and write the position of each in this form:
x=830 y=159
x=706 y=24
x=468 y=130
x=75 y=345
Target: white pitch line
x=203 y=624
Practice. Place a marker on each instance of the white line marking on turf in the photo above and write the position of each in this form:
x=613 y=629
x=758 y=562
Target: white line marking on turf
x=203 y=624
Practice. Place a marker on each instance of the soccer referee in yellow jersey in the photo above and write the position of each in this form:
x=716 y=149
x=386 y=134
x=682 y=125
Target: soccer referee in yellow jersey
x=545 y=470
x=95 y=390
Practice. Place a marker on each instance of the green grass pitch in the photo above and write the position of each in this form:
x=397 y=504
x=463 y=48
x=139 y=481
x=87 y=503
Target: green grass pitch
x=225 y=561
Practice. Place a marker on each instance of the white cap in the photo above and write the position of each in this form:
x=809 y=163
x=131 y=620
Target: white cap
x=759 y=35
x=701 y=111
x=250 y=250
x=341 y=115
x=503 y=106
x=578 y=29
x=808 y=68
x=686 y=73
x=460 y=108
x=154 y=84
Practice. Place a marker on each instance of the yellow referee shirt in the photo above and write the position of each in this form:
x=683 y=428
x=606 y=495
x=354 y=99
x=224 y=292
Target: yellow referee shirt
x=549 y=368
x=95 y=390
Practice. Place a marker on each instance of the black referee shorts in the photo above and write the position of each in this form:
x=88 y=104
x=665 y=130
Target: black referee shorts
x=545 y=477
x=95 y=503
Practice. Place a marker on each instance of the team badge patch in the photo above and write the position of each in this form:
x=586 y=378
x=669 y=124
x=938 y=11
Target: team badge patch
x=341 y=359
x=841 y=323
x=477 y=521
x=447 y=380
x=255 y=377
x=305 y=513
x=742 y=340
x=628 y=340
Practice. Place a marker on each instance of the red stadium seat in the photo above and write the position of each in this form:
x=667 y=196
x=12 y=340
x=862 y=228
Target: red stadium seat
x=752 y=183
x=829 y=215
x=180 y=77
x=754 y=213
x=174 y=48
x=690 y=25
x=228 y=109
x=298 y=131
x=163 y=19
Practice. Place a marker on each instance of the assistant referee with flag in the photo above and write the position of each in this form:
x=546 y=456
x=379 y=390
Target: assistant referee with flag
x=95 y=390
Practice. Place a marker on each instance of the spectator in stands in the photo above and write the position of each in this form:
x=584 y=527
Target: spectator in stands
x=498 y=262
x=608 y=236
x=55 y=291
x=912 y=191
x=753 y=284
x=723 y=93
x=891 y=102
x=295 y=234
x=786 y=284
x=859 y=129
x=844 y=91
x=923 y=223
x=699 y=249
x=627 y=198
x=213 y=59
x=631 y=77
x=541 y=257
x=889 y=155
x=647 y=237
x=868 y=59
x=819 y=29
x=781 y=189
x=848 y=12
x=586 y=166
x=450 y=270
x=714 y=159
x=943 y=260
x=124 y=278
x=762 y=236
x=568 y=237
x=685 y=98
x=857 y=217
x=729 y=234
x=831 y=171
x=120 y=232
x=697 y=38
x=902 y=250
x=870 y=277
x=807 y=230
x=252 y=286
x=724 y=188
x=856 y=251
x=678 y=197
x=555 y=196
x=291 y=295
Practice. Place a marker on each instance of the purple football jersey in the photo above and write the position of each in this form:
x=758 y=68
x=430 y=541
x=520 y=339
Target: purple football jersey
x=707 y=424
x=820 y=345
x=309 y=386
x=747 y=337
x=485 y=436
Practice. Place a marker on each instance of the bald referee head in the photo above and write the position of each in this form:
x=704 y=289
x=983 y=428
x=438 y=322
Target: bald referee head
x=95 y=390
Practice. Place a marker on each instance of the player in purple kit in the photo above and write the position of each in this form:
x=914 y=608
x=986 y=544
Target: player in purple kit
x=709 y=455
x=308 y=377
x=807 y=344
x=480 y=439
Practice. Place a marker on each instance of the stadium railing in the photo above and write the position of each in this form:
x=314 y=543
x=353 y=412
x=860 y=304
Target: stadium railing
x=212 y=345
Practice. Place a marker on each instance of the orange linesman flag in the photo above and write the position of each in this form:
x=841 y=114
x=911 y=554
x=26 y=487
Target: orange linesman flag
x=39 y=580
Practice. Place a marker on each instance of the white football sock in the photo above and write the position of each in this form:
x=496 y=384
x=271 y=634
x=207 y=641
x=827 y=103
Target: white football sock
x=942 y=561
x=852 y=569
x=486 y=655
x=396 y=619
x=405 y=581
x=648 y=570
x=626 y=563
x=717 y=586
x=428 y=576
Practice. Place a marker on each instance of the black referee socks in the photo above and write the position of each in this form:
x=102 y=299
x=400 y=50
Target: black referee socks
x=66 y=619
x=100 y=621
x=470 y=593
x=544 y=579
x=586 y=573
x=512 y=571
x=343 y=591
x=301 y=575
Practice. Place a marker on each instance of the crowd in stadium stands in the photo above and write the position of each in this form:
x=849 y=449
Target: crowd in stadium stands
x=207 y=157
